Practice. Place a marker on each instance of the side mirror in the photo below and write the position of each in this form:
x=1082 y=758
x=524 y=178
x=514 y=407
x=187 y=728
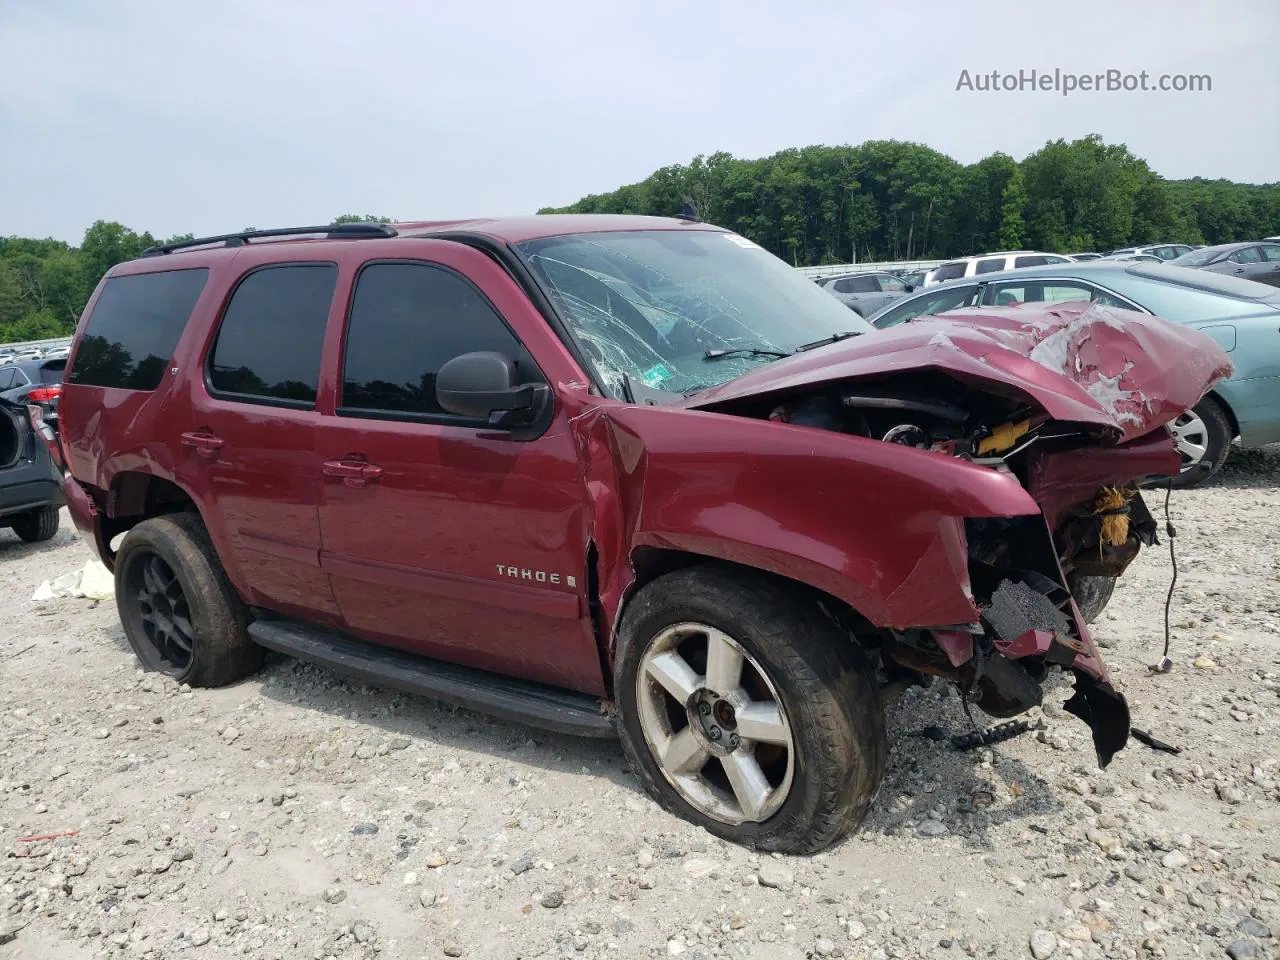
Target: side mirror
x=911 y=287
x=479 y=385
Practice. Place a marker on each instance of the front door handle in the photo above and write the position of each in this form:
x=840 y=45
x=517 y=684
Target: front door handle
x=202 y=442
x=354 y=473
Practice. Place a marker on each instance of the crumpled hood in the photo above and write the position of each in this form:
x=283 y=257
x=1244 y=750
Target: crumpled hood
x=1123 y=370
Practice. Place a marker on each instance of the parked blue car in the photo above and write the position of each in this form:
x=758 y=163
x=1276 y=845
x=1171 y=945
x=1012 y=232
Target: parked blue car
x=1241 y=315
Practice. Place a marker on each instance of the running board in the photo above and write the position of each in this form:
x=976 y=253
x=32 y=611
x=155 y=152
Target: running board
x=521 y=701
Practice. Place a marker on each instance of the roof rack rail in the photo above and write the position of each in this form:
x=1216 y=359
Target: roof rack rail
x=338 y=231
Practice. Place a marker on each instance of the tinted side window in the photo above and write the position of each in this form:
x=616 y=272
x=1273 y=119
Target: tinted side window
x=862 y=285
x=1035 y=291
x=993 y=265
x=407 y=320
x=272 y=332
x=1247 y=255
x=6 y=379
x=1270 y=253
x=949 y=271
x=1035 y=261
x=891 y=284
x=130 y=336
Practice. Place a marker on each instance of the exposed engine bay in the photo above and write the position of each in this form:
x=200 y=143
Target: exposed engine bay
x=1036 y=581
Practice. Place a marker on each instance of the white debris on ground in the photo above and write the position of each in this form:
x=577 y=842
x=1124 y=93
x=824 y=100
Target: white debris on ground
x=93 y=581
x=298 y=816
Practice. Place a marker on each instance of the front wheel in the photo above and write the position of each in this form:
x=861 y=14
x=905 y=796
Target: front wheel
x=1203 y=437
x=1092 y=594
x=746 y=710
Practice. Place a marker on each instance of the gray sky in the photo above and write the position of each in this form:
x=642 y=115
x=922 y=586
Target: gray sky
x=177 y=115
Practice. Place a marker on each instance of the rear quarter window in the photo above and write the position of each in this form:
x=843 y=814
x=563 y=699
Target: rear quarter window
x=131 y=334
x=272 y=334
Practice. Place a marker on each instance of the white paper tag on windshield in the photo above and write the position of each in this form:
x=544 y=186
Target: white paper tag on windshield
x=740 y=241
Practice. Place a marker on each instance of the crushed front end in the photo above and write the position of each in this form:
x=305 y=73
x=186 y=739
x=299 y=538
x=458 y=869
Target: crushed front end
x=1036 y=581
x=1071 y=403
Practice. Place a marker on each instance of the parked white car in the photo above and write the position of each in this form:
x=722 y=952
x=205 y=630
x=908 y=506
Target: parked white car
x=991 y=263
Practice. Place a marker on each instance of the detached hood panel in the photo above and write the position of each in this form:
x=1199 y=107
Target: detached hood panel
x=1125 y=371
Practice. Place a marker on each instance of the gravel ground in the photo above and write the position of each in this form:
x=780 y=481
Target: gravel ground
x=299 y=816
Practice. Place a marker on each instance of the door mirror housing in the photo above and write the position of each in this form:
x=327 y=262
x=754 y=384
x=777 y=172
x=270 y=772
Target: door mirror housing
x=485 y=386
x=910 y=287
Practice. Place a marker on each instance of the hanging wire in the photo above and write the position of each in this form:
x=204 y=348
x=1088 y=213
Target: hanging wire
x=1171 y=532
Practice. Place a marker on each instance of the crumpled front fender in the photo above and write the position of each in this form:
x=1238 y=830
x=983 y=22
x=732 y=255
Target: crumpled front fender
x=877 y=525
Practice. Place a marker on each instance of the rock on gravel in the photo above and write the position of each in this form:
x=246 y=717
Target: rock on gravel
x=773 y=873
x=552 y=899
x=1043 y=944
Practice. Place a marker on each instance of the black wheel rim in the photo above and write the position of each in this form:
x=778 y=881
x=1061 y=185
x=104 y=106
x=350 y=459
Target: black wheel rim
x=163 y=613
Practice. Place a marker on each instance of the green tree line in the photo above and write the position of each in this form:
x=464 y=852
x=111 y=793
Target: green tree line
x=44 y=284
x=880 y=200
x=890 y=200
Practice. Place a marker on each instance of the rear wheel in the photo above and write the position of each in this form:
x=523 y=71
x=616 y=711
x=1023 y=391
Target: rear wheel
x=747 y=711
x=1203 y=437
x=37 y=525
x=180 y=613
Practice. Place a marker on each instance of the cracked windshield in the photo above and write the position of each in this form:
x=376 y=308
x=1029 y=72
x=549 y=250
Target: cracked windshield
x=681 y=311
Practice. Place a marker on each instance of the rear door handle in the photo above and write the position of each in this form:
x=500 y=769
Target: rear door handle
x=354 y=473
x=202 y=442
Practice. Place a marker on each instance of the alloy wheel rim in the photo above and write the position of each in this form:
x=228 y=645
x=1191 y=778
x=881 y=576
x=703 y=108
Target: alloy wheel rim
x=1191 y=437
x=164 y=613
x=714 y=724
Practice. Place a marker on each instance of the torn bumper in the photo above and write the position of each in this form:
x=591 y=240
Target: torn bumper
x=1028 y=622
x=1035 y=621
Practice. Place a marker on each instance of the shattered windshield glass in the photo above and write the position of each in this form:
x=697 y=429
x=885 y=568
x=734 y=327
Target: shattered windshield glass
x=681 y=311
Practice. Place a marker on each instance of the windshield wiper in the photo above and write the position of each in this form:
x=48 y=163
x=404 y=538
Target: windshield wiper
x=834 y=338
x=740 y=351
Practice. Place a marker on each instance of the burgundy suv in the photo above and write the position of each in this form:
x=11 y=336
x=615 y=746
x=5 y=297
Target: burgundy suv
x=622 y=474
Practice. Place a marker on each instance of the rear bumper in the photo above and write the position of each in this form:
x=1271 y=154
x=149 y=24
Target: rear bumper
x=84 y=514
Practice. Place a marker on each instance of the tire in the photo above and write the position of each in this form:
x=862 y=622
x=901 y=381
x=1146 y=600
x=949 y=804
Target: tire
x=1092 y=594
x=1203 y=435
x=37 y=525
x=180 y=613
x=793 y=655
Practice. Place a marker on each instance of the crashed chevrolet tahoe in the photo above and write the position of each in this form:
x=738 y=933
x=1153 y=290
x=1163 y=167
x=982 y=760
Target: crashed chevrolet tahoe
x=619 y=475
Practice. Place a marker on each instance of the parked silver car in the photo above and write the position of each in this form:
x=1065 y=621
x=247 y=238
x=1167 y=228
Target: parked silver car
x=865 y=293
x=1250 y=261
x=1161 y=251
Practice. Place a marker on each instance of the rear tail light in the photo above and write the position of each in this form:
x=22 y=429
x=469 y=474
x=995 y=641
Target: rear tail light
x=41 y=426
x=45 y=394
